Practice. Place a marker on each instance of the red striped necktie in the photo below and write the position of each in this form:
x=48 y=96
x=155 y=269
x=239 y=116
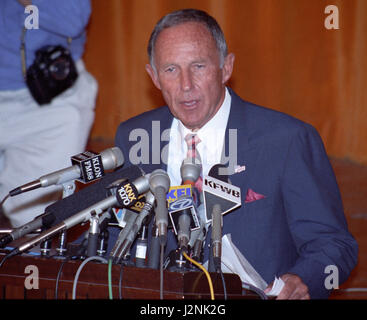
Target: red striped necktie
x=192 y=141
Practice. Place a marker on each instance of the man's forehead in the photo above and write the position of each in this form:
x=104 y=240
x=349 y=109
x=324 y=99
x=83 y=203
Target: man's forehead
x=183 y=32
x=186 y=40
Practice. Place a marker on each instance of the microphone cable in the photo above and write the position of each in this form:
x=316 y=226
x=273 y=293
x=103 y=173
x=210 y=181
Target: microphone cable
x=110 y=278
x=205 y=271
x=258 y=291
x=59 y=276
x=103 y=260
x=223 y=283
x=2 y=201
x=161 y=272
x=120 y=281
x=4 y=259
x=78 y=254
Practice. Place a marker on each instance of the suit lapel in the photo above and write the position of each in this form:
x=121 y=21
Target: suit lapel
x=240 y=152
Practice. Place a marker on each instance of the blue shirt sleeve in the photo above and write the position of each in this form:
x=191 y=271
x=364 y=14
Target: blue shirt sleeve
x=66 y=18
x=57 y=21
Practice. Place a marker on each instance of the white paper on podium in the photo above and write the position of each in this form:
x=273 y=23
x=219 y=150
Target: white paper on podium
x=233 y=261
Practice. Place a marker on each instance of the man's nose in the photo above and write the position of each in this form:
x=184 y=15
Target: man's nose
x=186 y=80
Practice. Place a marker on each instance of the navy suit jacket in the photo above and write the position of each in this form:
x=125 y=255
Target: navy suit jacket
x=299 y=227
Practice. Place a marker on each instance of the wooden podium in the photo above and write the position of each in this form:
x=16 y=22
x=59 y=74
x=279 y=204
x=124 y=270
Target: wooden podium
x=135 y=283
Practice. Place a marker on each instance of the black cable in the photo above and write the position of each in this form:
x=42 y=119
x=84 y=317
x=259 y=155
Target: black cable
x=79 y=254
x=59 y=276
x=2 y=201
x=4 y=259
x=120 y=281
x=224 y=284
x=161 y=273
x=12 y=253
x=250 y=287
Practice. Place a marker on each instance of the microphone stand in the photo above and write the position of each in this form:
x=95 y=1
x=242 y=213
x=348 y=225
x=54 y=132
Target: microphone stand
x=177 y=262
x=45 y=246
x=154 y=248
x=93 y=235
x=141 y=247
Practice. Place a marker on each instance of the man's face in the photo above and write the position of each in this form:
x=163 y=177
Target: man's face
x=188 y=72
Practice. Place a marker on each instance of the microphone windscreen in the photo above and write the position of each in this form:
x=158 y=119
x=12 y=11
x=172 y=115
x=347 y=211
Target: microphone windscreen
x=89 y=195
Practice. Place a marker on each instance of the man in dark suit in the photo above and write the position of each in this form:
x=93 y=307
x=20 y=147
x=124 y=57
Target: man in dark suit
x=291 y=222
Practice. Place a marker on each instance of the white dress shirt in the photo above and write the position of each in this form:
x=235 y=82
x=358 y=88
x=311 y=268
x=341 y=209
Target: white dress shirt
x=210 y=148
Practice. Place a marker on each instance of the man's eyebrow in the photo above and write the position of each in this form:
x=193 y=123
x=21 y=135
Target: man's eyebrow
x=166 y=65
x=174 y=64
x=203 y=60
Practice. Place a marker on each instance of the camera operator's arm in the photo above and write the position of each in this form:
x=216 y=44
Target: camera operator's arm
x=25 y=2
x=67 y=18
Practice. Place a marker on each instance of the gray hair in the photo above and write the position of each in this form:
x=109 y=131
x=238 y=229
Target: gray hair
x=189 y=15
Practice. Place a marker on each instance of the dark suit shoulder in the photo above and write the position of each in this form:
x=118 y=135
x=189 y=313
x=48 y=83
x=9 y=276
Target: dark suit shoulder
x=264 y=121
x=142 y=125
x=152 y=115
x=144 y=121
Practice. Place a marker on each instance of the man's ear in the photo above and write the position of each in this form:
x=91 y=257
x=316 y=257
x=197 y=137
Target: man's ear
x=153 y=75
x=227 y=67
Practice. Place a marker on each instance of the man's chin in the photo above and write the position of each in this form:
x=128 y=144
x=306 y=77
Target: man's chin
x=190 y=122
x=193 y=127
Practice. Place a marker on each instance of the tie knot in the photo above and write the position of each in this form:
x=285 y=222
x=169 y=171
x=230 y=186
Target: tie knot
x=192 y=140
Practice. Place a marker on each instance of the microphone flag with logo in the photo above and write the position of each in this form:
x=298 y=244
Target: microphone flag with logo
x=219 y=192
x=86 y=167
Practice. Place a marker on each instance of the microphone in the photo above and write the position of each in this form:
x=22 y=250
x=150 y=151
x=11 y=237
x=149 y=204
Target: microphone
x=190 y=171
x=184 y=219
x=184 y=232
x=43 y=220
x=198 y=243
x=64 y=208
x=124 y=194
x=124 y=243
x=130 y=217
x=198 y=236
x=87 y=166
x=219 y=192
x=220 y=197
x=159 y=182
x=216 y=236
x=91 y=194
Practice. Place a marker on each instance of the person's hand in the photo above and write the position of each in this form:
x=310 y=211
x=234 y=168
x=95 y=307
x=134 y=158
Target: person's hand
x=294 y=288
x=25 y=2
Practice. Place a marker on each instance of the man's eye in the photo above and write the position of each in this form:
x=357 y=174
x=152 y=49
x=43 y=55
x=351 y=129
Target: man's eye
x=170 y=69
x=199 y=66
